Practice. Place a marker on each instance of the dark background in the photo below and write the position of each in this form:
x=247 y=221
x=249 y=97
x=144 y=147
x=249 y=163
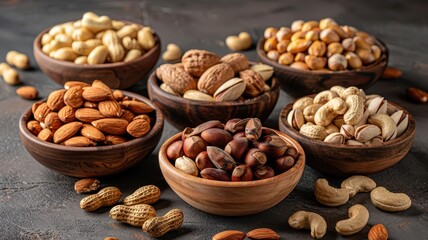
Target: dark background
x=36 y=203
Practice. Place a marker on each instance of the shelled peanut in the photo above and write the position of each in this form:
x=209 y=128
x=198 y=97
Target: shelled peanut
x=347 y=116
x=96 y=40
x=84 y=115
x=240 y=150
x=204 y=76
x=321 y=46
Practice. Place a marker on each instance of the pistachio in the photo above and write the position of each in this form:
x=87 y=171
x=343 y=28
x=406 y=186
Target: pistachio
x=377 y=52
x=354 y=143
x=220 y=158
x=202 y=161
x=299 y=45
x=377 y=105
x=263 y=172
x=361 y=43
x=295 y=118
x=335 y=137
x=334 y=48
x=215 y=174
x=375 y=141
x=237 y=147
x=366 y=55
x=401 y=119
x=328 y=36
x=264 y=70
x=366 y=132
x=348 y=131
x=337 y=62
x=198 y=96
x=331 y=128
x=286 y=58
x=318 y=48
x=253 y=129
x=186 y=165
x=242 y=173
x=230 y=90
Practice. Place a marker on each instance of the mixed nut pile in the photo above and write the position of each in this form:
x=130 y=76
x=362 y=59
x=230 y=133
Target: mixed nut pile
x=204 y=76
x=347 y=116
x=240 y=150
x=321 y=46
x=96 y=40
x=84 y=115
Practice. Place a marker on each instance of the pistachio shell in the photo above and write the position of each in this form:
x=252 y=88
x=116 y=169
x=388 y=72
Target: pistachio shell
x=230 y=90
x=335 y=138
x=198 y=96
x=264 y=70
x=367 y=132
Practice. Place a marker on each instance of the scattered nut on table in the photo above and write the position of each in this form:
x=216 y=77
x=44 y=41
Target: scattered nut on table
x=309 y=220
x=358 y=218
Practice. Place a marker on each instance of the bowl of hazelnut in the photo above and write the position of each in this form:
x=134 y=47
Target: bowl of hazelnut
x=345 y=132
x=233 y=169
x=205 y=86
x=97 y=47
x=309 y=57
x=90 y=130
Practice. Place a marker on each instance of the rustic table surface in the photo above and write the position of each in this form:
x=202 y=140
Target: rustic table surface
x=37 y=203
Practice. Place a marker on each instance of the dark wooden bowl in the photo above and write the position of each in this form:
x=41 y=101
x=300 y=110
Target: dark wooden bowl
x=342 y=160
x=91 y=161
x=298 y=82
x=116 y=75
x=231 y=198
x=181 y=112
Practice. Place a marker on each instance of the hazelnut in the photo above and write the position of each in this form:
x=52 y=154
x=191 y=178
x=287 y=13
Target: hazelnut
x=292 y=152
x=297 y=35
x=353 y=60
x=237 y=147
x=216 y=137
x=334 y=48
x=242 y=173
x=297 y=25
x=175 y=150
x=270 y=32
x=312 y=35
x=203 y=161
x=300 y=57
x=286 y=58
x=274 y=146
x=366 y=55
x=317 y=48
x=273 y=55
x=284 y=163
x=328 y=36
x=255 y=157
x=220 y=158
x=327 y=22
x=263 y=172
x=283 y=33
x=314 y=62
x=239 y=135
x=348 y=45
x=309 y=26
x=215 y=174
x=281 y=47
x=299 y=65
x=192 y=146
x=337 y=62
x=270 y=44
x=253 y=129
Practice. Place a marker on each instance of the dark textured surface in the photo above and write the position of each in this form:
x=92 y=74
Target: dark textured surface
x=36 y=203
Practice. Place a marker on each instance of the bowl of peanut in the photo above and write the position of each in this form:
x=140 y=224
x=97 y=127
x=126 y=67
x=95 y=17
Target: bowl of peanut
x=90 y=130
x=346 y=132
x=205 y=86
x=309 y=57
x=233 y=169
x=120 y=53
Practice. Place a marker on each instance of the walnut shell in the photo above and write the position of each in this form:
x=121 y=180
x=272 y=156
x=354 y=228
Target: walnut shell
x=214 y=77
x=176 y=78
x=254 y=82
x=237 y=61
x=196 y=62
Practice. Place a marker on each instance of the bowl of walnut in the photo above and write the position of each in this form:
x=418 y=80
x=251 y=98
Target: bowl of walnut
x=346 y=132
x=205 y=86
x=120 y=53
x=309 y=57
x=90 y=130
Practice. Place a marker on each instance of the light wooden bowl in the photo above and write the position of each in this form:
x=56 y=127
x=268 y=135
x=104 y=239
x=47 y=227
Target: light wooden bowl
x=119 y=75
x=231 y=198
x=91 y=161
x=342 y=160
x=298 y=82
x=181 y=112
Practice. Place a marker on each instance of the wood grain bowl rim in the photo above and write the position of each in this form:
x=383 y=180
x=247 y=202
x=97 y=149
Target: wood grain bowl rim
x=37 y=45
x=383 y=60
x=153 y=82
x=406 y=136
x=299 y=166
x=157 y=127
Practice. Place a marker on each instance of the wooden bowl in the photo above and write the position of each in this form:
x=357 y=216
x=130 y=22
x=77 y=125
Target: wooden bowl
x=231 y=198
x=91 y=161
x=342 y=160
x=181 y=112
x=298 y=82
x=119 y=75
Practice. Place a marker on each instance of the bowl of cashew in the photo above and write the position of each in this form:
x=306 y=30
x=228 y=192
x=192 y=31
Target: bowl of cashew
x=345 y=132
x=120 y=53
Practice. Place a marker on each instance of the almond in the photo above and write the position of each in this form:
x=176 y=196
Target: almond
x=56 y=100
x=101 y=84
x=417 y=94
x=138 y=128
x=52 y=121
x=41 y=112
x=89 y=104
x=73 y=97
x=80 y=141
x=92 y=133
x=67 y=114
x=86 y=185
x=143 y=116
x=378 y=232
x=114 y=126
x=262 y=234
x=34 y=127
x=27 y=92
x=137 y=107
x=71 y=84
x=113 y=140
x=110 y=108
x=391 y=73
x=127 y=115
x=88 y=114
x=214 y=77
x=95 y=94
x=118 y=95
x=66 y=131
x=176 y=78
x=45 y=135
x=237 y=61
x=196 y=62
x=229 y=235
x=35 y=106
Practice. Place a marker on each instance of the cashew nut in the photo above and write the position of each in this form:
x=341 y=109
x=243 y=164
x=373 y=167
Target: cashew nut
x=329 y=111
x=389 y=201
x=386 y=124
x=358 y=218
x=324 y=96
x=358 y=183
x=338 y=89
x=309 y=220
x=328 y=195
x=352 y=91
x=303 y=102
x=238 y=43
x=355 y=110
x=309 y=112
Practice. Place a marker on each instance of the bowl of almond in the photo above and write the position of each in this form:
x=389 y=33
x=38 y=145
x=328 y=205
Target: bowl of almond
x=90 y=130
x=205 y=86
x=119 y=52
x=312 y=56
